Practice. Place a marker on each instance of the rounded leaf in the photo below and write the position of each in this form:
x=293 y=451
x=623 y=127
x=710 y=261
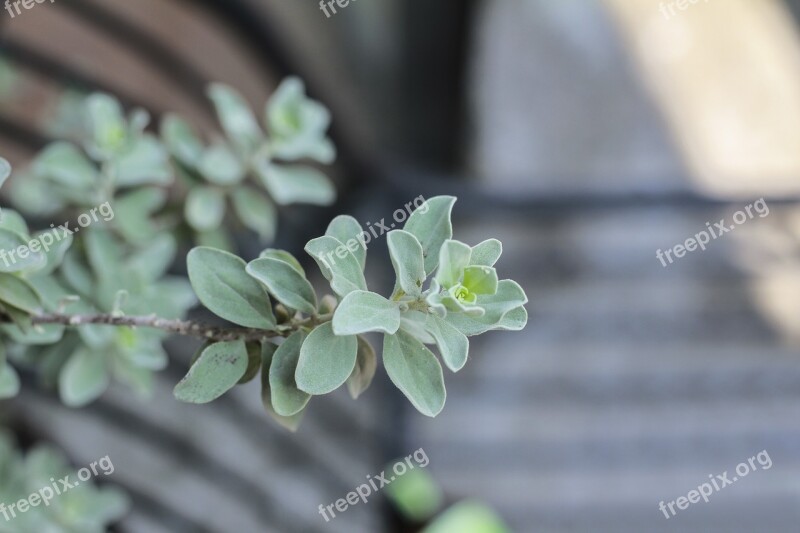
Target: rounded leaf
x=287 y=399
x=415 y=371
x=363 y=311
x=285 y=283
x=218 y=369
x=326 y=360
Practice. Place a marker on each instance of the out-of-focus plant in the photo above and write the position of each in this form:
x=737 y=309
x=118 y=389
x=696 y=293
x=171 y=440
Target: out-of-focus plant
x=85 y=507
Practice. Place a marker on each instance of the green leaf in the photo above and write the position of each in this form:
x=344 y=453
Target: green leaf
x=154 y=258
x=364 y=371
x=326 y=360
x=13 y=247
x=9 y=382
x=480 y=279
x=64 y=163
x=181 y=140
x=267 y=355
x=296 y=184
x=133 y=211
x=256 y=212
x=363 y=311
x=107 y=124
x=347 y=230
x=298 y=124
x=409 y=265
x=431 y=225
x=453 y=258
x=486 y=253
x=83 y=379
x=468 y=517
x=13 y=221
x=220 y=165
x=236 y=117
x=218 y=369
x=453 y=345
x=19 y=293
x=514 y=320
x=54 y=245
x=145 y=162
x=284 y=256
x=285 y=283
x=224 y=287
x=287 y=398
x=205 y=208
x=339 y=266
x=415 y=371
x=415 y=323
x=253 y=362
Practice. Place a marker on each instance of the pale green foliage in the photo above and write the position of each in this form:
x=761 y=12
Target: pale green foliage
x=84 y=507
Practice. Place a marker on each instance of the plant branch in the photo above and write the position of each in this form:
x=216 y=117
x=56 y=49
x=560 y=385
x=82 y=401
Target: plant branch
x=180 y=327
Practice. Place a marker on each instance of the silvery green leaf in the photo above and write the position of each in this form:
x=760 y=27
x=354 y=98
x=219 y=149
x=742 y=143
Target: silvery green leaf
x=453 y=258
x=107 y=124
x=138 y=120
x=236 y=117
x=326 y=360
x=347 y=230
x=205 y=208
x=9 y=382
x=296 y=184
x=468 y=517
x=339 y=266
x=12 y=248
x=514 y=320
x=64 y=163
x=364 y=371
x=181 y=140
x=284 y=256
x=104 y=253
x=285 y=283
x=220 y=165
x=290 y=113
x=453 y=345
x=54 y=245
x=152 y=260
x=41 y=335
x=363 y=311
x=19 y=293
x=415 y=371
x=486 y=253
x=5 y=170
x=224 y=287
x=256 y=212
x=218 y=369
x=13 y=221
x=253 y=362
x=133 y=210
x=409 y=264
x=83 y=379
x=144 y=162
x=267 y=355
x=509 y=297
x=415 y=324
x=431 y=225
x=76 y=274
x=287 y=399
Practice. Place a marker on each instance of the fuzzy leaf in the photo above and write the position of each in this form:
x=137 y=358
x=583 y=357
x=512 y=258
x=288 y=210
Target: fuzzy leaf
x=363 y=311
x=296 y=184
x=289 y=422
x=205 y=208
x=364 y=371
x=256 y=212
x=220 y=165
x=339 y=266
x=453 y=345
x=236 y=117
x=486 y=253
x=407 y=259
x=431 y=225
x=347 y=230
x=326 y=360
x=218 y=369
x=284 y=256
x=287 y=398
x=453 y=258
x=223 y=285
x=415 y=371
x=83 y=379
x=285 y=283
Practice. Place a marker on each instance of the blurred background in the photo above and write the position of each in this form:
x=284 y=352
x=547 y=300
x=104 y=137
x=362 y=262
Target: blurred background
x=586 y=135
